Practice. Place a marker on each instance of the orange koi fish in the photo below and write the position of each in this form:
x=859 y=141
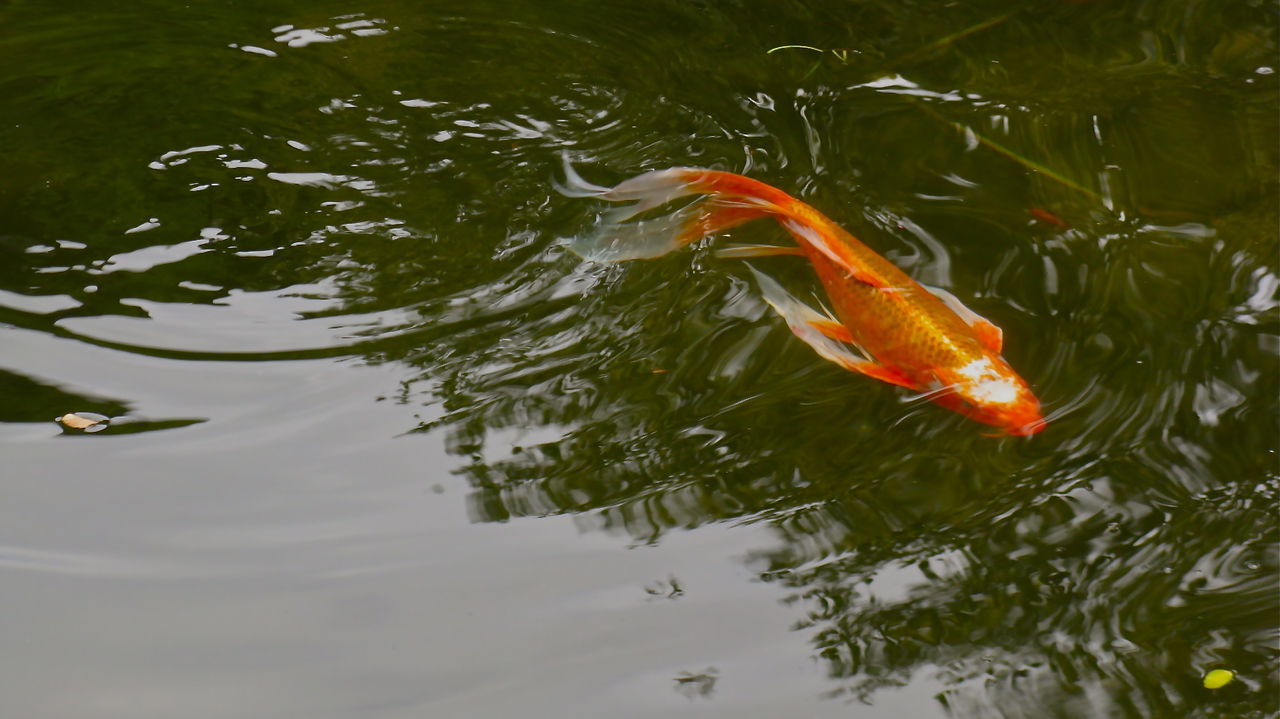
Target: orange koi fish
x=886 y=325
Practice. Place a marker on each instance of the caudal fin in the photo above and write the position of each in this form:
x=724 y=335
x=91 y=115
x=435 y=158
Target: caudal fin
x=621 y=237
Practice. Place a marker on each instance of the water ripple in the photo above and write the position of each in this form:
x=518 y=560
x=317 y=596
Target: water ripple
x=378 y=186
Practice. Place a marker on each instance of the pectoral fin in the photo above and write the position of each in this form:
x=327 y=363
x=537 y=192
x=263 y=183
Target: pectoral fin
x=884 y=374
x=827 y=337
x=988 y=334
x=833 y=329
x=806 y=323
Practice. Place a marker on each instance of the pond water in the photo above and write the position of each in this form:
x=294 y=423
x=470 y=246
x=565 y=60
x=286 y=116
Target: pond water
x=380 y=446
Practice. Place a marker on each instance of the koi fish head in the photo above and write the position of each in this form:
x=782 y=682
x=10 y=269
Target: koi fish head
x=988 y=390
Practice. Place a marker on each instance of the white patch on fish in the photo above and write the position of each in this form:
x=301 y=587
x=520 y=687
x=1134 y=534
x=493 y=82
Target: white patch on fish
x=985 y=385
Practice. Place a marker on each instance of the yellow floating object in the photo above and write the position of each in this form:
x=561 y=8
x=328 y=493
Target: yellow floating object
x=1218 y=678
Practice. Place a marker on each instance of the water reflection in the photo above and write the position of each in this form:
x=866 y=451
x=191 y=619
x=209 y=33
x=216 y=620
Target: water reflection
x=1038 y=577
x=30 y=400
x=378 y=186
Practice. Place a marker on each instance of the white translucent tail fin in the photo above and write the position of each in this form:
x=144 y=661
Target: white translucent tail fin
x=619 y=237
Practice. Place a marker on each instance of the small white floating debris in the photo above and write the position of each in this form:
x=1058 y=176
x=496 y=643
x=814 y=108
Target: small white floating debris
x=84 y=421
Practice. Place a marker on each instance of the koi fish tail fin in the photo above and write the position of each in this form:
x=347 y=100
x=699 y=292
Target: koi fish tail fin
x=619 y=236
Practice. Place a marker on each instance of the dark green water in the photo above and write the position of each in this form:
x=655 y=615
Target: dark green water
x=384 y=448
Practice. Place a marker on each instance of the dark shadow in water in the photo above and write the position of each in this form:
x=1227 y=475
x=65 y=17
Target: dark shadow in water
x=1096 y=570
x=1131 y=545
x=29 y=400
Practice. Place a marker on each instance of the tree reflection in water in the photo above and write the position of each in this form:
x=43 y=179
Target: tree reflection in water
x=1097 y=570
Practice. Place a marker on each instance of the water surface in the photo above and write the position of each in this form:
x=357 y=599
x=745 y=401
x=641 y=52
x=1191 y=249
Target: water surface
x=381 y=446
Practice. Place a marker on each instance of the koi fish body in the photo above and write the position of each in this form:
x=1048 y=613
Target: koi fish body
x=886 y=325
